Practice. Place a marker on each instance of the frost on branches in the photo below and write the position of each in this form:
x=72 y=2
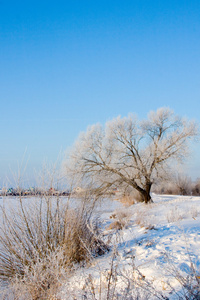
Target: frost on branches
x=127 y=152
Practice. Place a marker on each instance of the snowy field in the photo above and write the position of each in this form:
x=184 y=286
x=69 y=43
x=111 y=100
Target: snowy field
x=161 y=241
x=155 y=246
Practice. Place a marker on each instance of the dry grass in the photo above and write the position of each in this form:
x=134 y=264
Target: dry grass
x=41 y=279
x=194 y=211
x=130 y=198
x=189 y=281
x=119 y=283
x=127 y=200
x=122 y=219
x=41 y=243
x=144 y=218
x=115 y=225
x=174 y=215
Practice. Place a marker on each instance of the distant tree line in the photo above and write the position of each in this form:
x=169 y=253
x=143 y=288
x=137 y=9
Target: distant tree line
x=32 y=192
x=179 y=185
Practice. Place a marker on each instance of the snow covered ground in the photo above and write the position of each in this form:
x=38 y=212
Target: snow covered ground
x=153 y=256
x=157 y=247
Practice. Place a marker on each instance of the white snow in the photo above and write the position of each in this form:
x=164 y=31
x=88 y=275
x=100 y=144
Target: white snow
x=159 y=239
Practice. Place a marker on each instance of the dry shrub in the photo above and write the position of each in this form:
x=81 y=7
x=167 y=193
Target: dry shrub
x=117 y=283
x=137 y=196
x=42 y=279
x=144 y=219
x=174 y=215
x=187 y=275
x=194 y=211
x=115 y=225
x=40 y=243
x=122 y=219
x=130 y=283
x=82 y=236
x=127 y=200
x=130 y=197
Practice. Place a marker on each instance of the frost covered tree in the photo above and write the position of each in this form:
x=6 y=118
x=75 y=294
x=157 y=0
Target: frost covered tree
x=127 y=152
x=183 y=183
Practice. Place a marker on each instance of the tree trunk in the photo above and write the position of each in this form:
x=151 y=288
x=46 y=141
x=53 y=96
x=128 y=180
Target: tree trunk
x=147 y=198
x=145 y=193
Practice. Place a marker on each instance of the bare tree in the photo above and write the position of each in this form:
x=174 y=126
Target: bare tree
x=183 y=183
x=196 y=187
x=127 y=152
x=178 y=184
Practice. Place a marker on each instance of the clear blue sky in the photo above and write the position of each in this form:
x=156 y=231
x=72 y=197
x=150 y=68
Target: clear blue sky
x=67 y=64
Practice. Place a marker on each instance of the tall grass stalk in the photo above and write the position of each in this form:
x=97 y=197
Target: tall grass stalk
x=40 y=242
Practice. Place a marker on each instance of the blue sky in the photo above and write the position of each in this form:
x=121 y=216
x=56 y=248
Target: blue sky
x=67 y=64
